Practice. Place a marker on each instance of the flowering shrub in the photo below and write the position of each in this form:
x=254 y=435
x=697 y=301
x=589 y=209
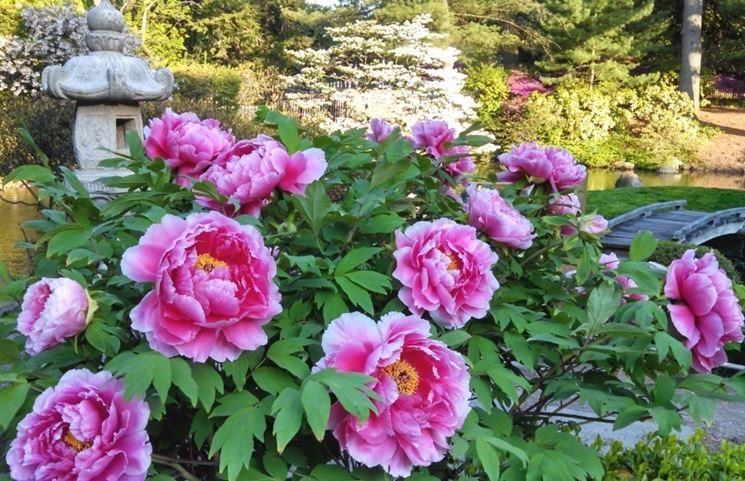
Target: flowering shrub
x=367 y=318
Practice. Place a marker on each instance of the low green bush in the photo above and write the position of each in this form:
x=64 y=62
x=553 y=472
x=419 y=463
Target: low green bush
x=48 y=121
x=671 y=459
x=668 y=251
x=218 y=84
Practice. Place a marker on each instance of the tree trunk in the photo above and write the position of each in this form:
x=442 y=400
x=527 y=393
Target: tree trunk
x=690 y=65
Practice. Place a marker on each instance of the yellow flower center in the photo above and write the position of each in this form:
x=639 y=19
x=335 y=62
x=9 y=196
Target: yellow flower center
x=74 y=442
x=207 y=263
x=455 y=262
x=406 y=377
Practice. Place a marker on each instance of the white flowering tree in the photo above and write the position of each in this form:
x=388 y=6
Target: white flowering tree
x=395 y=71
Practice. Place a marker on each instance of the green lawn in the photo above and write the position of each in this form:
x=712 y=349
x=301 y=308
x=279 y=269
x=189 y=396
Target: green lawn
x=613 y=202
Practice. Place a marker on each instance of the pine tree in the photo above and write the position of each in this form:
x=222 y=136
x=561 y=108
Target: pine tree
x=595 y=40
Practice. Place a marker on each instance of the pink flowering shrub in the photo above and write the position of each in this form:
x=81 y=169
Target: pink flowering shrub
x=52 y=311
x=82 y=429
x=704 y=309
x=362 y=326
x=422 y=386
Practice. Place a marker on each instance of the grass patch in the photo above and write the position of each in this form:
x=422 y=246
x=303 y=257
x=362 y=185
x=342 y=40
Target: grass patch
x=613 y=202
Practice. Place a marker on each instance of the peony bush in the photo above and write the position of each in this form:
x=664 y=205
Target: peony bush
x=354 y=306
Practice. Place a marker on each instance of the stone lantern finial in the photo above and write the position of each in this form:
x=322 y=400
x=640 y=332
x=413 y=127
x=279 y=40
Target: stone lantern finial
x=107 y=86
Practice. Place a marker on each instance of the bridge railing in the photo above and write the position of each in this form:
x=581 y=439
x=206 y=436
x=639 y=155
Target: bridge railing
x=714 y=219
x=646 y=211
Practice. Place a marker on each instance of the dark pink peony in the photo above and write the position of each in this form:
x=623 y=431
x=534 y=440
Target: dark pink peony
x=526 y=160
x=380 y=130
x=82 y=430
x=188 y=145
x=491 y=214
x=52 y=311
x=248 y=173
x=433 y=136
x=542 y=164
x=445 y=270
x=566 y=173
x=703 y=308
x=422 y=383
x=214 y=287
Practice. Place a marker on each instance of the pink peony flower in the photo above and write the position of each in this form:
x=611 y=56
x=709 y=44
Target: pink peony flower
x=422 y=383
x=551 y=164
x=248 y=174
x=595 y=225
x=566 y=204
x=707 y=313
x=491 y=214
x=566 y=173
x=52 y=311
x=526 y=160
x=298 y=170
x=432 y=135
x=445 y=270
x=189 y=146
x=610 y=261
x=380 y=130
x=82 y=430
x=214 y=287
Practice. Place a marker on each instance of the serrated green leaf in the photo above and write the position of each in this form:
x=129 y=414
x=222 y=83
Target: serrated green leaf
x=12 y=398
x=209 y=382
x=317 y=406
x=288 y=414
x=354 y=258
x=234 y=440
x=643 y=246
x=183 y=379
x=357 y=295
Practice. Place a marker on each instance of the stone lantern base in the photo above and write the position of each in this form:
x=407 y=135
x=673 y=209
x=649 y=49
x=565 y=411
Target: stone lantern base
x=100 y=133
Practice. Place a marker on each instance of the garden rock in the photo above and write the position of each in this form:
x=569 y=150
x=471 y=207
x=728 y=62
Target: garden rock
x=628 y=179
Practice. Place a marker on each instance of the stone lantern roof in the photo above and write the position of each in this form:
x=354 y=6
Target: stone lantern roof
x=106 y=75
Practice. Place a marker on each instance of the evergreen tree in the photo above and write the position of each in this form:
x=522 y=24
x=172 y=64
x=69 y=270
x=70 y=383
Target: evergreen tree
x=596 y=40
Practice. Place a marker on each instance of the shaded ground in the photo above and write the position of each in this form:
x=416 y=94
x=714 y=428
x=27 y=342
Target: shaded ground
x=726 y=152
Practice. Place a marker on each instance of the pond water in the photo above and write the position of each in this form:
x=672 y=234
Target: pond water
x=606 y=179
x=11 y=216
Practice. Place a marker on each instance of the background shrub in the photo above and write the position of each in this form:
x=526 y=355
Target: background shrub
x=48 y=121
x=672 y=459
x=668 y=251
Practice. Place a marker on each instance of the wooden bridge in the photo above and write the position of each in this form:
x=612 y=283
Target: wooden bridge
x=672 y=221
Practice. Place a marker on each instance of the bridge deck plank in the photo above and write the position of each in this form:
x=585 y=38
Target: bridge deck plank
x=662 y=224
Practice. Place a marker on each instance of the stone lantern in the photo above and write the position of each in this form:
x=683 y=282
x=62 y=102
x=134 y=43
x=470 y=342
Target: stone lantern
x=107 y=86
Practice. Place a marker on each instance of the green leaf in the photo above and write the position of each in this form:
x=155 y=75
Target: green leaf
x=12 y=398
x=272 y=380
x=382 y=224
x=317 y=406
x=354 y=258
x=238 y=370
x=98 y=336
x=330 y=472
x=351 y=390
x=603 y=302
x=370 y=280
x=209 y=382
x=489 y=459
x=66 y=240
x=629 y=415
x=31 y=173
x=385 y=172
x=288 y=415
x=643 y=246
x=315 y=206
x=333 y=305
x=183 y=379
x=455 y=338
x=287 y=129
x=134 y=142
x=234 y=440
x=664 y=389
x=359 y=296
